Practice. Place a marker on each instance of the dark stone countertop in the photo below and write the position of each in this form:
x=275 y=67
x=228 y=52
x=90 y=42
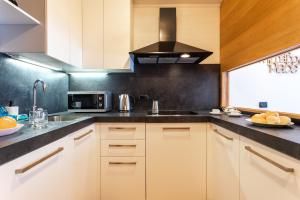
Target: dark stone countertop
x=28 y=139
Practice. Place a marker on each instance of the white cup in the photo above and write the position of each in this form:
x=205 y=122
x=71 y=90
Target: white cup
x=235 y=112
x=215 y=111
x=14 y=110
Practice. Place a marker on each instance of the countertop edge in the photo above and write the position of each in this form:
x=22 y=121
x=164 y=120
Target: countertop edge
x=21 y=148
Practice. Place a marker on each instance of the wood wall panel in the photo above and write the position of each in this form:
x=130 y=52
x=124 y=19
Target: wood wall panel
x=254 y=29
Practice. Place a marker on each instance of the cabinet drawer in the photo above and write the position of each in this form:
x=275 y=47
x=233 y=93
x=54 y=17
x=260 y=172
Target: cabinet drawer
x=123 y=148
x=122 y=178
x=122 y=131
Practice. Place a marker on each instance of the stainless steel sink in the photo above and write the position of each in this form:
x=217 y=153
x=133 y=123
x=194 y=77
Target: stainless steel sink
x=173 y=113
x=61 y=118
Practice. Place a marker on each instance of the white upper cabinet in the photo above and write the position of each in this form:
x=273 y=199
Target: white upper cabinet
x=117 y=33
x=58 y=35
x=12 y=14
x=92 y=16
x=106 y=33
x=64 y=30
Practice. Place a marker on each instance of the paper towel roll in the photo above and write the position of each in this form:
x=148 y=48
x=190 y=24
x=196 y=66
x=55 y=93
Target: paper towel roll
x=14 y=110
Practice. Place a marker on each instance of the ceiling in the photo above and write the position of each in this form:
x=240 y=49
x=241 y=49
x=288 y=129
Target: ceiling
x=175 y=1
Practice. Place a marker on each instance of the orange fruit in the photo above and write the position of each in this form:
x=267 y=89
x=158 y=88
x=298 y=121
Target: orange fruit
x=7 y=122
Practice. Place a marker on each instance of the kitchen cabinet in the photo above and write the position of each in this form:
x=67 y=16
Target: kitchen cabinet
x=67 y=169
x=117 y=33
x=84 y=163
x=59 y=34
x=123 y=161
x=12 y=14
x=222 y=164
x=267 y=174
x=92 y=33
x=176 y=161
x=106 y=33
x=45 y=180
x=122 y=178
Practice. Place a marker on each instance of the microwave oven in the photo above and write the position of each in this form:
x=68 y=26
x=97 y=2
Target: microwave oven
x=89 y=101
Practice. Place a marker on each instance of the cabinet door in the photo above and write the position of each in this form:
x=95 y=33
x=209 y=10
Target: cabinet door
x=267 y=174
x=122 y=178
x=222 y=164
x=123 y=131
x=117 y=33
x=75 y=9
x=176 y=161
x=84 y=164
x=58 y=29
x=92 y=19
x=123 y=148
x=46 y=179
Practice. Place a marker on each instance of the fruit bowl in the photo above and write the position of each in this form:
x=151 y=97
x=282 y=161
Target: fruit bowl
x=10 y=131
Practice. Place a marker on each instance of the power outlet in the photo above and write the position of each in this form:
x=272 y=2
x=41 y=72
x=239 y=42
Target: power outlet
x=263 y=104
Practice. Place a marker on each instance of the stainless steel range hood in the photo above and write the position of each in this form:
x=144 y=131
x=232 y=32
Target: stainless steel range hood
x=168 y=50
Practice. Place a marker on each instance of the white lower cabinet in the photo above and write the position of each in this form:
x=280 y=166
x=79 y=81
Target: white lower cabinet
x=84 y=164
x=67 y=169
x=176 y=161
x=123 y=161
x=267 y=174
x=41 y=174
x=222 y=164
x=122 y=178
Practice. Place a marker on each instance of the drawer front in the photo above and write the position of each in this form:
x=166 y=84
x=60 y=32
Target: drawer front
x=123 y=131
x=122 y=178
x=123 y=148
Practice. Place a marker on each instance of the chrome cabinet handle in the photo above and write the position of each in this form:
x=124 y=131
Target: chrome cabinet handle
x=122 y=163
x=222 y=135
x=122 y=145
x=286 y=169
x=39 y=161
x=83 y=135
x=122 y=128
x=176 y=129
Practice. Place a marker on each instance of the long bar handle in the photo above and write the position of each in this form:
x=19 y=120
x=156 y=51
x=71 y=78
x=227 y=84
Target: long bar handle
x=83 y=135
x=122 y=128
x=122 y=163
x=176 y=129
x=286 y=169
x=122 y=145
x=222 y=135
x=39 y=161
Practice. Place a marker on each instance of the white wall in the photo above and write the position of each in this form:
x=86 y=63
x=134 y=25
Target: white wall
x=252 y=84
x=197 y=25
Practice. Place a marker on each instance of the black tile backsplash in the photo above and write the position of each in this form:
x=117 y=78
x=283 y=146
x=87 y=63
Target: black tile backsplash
x=194 y=87
x=16 y=83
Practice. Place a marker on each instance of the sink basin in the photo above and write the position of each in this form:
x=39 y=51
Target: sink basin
x=173 y=112
x=61 y=118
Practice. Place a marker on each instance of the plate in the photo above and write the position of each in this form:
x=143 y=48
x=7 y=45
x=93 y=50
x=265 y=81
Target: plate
x=234 y=115
x=270 y=125
x=10 y=131
x=214 y=113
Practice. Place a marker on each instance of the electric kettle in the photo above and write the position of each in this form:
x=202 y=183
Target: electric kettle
x=125 y=103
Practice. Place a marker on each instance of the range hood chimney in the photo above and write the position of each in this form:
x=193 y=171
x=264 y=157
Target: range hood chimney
x=168 y=50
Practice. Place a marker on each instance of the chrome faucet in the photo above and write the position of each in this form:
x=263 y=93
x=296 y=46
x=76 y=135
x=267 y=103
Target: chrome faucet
x=34 y=92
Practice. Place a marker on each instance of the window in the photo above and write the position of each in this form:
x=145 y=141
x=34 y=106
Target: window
x=258 y=82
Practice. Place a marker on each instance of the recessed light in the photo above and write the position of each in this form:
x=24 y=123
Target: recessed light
x=185 y=55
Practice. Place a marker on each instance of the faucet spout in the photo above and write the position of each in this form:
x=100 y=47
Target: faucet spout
x=35 y=85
